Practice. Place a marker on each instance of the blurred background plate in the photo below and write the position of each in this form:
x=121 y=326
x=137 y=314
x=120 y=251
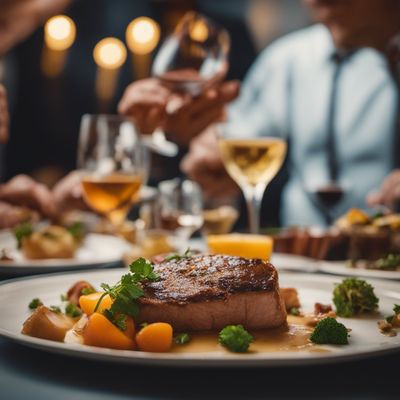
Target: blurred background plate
x=341 y=268
x=96 y=251
x=292 y=262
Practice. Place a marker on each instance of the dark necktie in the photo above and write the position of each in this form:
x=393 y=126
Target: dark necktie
x=333 y=168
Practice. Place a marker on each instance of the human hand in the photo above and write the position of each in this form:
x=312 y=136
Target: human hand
x=4 y=116
x=146 y=101
x=11 y=215
x=68 y=193
x=19 y=18
x=389 y=193
x=203 y=164
x=24 y=191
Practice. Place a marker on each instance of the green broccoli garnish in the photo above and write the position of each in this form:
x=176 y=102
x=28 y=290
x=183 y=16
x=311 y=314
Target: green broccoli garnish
x=235 y=338
x=329 y=331
x=354 y=296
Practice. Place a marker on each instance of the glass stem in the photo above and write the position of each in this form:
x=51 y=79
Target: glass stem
x=253 y=196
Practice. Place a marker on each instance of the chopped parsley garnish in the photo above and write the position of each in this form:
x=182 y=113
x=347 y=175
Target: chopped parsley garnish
x=85 y=291
x=125 y=292
x=235 y=338
x=35 y=303
x=77 y=230
x=72 y=310
x=182 y=338
x=178 y=257
x=390 y=262
x=294 y=311
x=21 y=231
x=55 y=309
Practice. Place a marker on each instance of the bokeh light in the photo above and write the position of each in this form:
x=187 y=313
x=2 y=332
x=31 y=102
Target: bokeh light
x=109 y=53
x=60 y=32
x=142 y=35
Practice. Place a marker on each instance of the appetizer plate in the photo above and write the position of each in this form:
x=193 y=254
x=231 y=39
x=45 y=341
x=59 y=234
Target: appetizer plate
x=365 y=339
x=341 y=268
x=97 y=250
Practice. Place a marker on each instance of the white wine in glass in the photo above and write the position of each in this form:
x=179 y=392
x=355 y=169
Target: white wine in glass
x=113 y=164
x=252 y=164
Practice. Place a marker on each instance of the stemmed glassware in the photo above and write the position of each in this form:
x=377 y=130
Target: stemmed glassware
x=180 y=207
x=191 y=59
x=113 y=164
x=252 y=163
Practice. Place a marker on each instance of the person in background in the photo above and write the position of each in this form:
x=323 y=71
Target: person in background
x=22 y=198
x=388 y=194
x=328 y=90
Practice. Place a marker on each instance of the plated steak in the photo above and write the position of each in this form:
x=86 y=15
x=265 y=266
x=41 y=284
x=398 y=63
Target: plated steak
x=208 y=292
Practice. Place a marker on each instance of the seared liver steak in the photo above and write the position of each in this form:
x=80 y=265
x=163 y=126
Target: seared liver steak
x=207 y=292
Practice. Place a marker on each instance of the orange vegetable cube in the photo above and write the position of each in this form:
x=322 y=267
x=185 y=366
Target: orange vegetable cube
x=101 y=332
x=88 y=302
x=155 y=337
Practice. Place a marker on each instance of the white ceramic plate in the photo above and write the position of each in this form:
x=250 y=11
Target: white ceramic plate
x=365 y=338
x=293 y=263
x=97 y=250
x=340 y=268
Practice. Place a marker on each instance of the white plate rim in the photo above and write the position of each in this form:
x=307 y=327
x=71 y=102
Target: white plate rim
x=340 y=268
x=196 y=359
x=58 y=265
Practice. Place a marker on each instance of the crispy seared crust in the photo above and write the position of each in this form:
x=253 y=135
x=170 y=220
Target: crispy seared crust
x=209 y=277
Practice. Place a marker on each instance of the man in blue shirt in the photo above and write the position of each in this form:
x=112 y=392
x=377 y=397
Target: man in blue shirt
x=311 y=84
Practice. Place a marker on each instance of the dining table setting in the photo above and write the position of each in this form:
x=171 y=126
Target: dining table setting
x=122 y=279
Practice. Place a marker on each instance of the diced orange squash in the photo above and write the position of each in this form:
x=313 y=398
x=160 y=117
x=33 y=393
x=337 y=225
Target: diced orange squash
x=88 y=302
x=101 y=332
x=155 y=337
x=242 y=245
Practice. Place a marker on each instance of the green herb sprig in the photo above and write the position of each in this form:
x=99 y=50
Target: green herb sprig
x=126 y=292
x=182 y=338
x=178 y=257
x=35 y=303
x=21 y=231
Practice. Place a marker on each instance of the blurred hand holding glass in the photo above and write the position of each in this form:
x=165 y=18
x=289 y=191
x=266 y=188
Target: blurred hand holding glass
x=190 y=60
x=252 y=162
x=113 y=164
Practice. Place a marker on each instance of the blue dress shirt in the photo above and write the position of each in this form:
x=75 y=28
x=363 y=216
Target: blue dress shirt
x=287 y=93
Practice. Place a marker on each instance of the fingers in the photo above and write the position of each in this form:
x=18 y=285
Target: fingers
x=145 y=101
x=68 y=193
x=389 y=193
x=4 y=115
x=24 y=191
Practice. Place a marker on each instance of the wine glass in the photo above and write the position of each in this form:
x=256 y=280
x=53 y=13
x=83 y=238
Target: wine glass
x=113 y=164
x=251 y=163
x=326 y=196
x=190 y=60
x=180 y=207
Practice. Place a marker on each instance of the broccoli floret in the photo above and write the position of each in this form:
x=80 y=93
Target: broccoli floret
x=235 y=338
x=329 y=331
x=354 y=296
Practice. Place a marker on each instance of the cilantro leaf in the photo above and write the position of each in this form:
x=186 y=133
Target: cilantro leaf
x=178 y=257
x=35 y=303
x=72 y=310
x=21 y=231
x=182 y=338
x=126 y=292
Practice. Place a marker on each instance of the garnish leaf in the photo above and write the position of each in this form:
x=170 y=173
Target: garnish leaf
x=182 y=338
x=77 y=230
x=35 y=303
x=21 y=231
x=55 y=309
x=126 y=292
x=72 y=310
x=178 y=257
x=85 y=291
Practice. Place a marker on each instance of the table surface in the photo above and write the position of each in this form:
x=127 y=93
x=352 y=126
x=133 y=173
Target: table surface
x=35 y=374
